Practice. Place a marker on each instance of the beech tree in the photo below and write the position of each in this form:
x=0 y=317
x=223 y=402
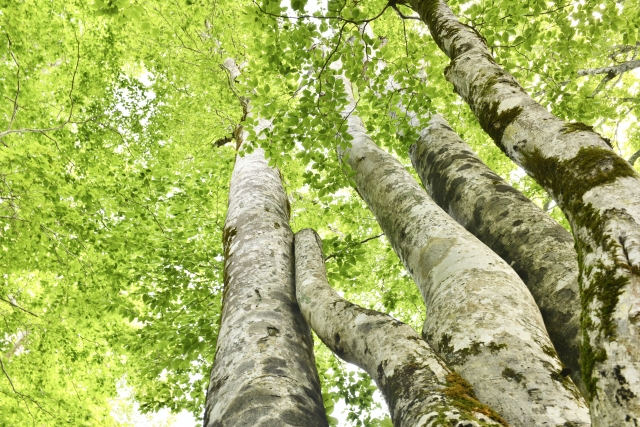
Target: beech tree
x=534 y=244
x=119 y=134
x=418 y=386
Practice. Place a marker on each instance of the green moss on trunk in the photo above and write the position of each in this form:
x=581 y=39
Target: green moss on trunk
x=568 y=181
x=461 y=394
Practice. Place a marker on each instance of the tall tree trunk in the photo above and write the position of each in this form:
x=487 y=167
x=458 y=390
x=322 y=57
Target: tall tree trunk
x=418 y=387
x=481 y=318
x=264 y=371
x=598 y=191
x=532 y=242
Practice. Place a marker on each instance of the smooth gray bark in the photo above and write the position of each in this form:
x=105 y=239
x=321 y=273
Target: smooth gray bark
x=532 y=242
x=613 y=70
x=419 y=388
x=598 y=191
x=264 y=372
x=481 y=318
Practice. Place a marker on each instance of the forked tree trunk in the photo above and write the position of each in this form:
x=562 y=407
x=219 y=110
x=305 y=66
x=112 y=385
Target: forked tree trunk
x=418 y=387
x=264 y=372
x=598 y=191
x=481 y=318
x=525 y=236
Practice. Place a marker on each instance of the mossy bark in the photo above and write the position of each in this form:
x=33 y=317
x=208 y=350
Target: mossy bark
x=264 y=373
x=419 y=388
x=481 y=318
x=534 y=244
x=597 y=190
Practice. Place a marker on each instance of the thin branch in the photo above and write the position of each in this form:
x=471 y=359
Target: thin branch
x=53 y=236
x=15 y=100
x=617 y=50
x=222 y=141
x=324 y=66
x=402 y=15
x=406 y=43
x=155 y=219
x=546 y=12
x=635 y=156
x=610 y=72
x=68 y=120
x=232 y=71
x=18 y=307
x=184 y=46
x=333 y=255
x=613 y=70
x=8 y=377
x=338 y=18
x=18 y=393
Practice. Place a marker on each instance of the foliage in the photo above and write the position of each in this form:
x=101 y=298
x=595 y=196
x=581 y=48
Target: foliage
x=115 y=122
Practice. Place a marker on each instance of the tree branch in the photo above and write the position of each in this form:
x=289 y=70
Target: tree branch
x=618 y=50
x=66 y=122
x=18 y=393
x=18 y=307
x=610 y=72
x=394 y=6
x=613 y=70
x=333 y=255
x=338 y=18
x=222 y=141
x=635 y=156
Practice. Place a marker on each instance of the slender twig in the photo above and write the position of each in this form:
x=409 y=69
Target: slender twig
x=15 y=100
x=68 y=120
x=614 y=70
x=610 y=72
x=617 y=50
x=333 y=255
x=546 y=12
x=18 y=307
x=17 y=392
x=406 y=43
x=155 y=219
x=338 y=18
x=402 y=15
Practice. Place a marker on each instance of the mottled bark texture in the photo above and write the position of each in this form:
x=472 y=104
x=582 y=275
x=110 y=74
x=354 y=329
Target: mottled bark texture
x=532 y=242
x=418 y=387
x=264 y=372
x=598 y=191
x=481 y=318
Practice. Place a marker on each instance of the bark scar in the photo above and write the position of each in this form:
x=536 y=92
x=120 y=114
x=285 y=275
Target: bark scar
x=631 y=249
x=259 y=297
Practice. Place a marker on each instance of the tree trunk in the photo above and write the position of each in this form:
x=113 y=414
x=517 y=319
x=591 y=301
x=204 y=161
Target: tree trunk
x=532 y=242
x=598 y=191
x=418 y=387
x=481 y=318
x=264 y=372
